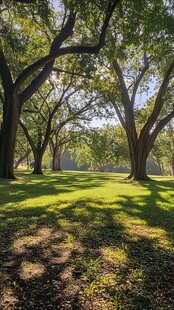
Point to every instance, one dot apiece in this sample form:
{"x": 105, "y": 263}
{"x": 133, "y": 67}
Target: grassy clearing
{"x": 76, "y": 240}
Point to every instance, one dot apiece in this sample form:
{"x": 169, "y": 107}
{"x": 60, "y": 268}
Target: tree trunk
{"x": 172, "y": 164}
{"x": 37, "y": 162}
{"x": 21, "y": 159}
{"x": 8, "y": 138}
{"x": 102, "y": 168}
{"x": 138, "y": 157}
{"x": 56, "y": 160}
{"x": 162, "y": 169}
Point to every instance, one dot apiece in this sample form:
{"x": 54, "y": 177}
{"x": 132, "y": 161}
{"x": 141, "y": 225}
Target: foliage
{"x": 128, "y": 65}
{"x": 98, "y": 148}
{"x": 163, "y": 151}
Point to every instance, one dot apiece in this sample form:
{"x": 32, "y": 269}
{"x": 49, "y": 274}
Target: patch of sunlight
{"x": 61, "y": 254}
{"x": 129, "y": 221}
{"x": 58, "y": 205}
{"x": 113, "y": 255}
{"x": 138, "y": 228}
{"x": 157, "y": 234}
{"x": 70, "y": 241}
{"x": 51, "y": 201}
{"x": 137, "y": 274}
{"x": 66, "y": 274}
{"x": 79, "y": 211}
{"x": 65, "y": 223}
{"x": 100, "y": 283}
{"x": 136, "y": 211}
{"x": 21, "y": 244}
{"x": 8, "y": 297}
{"x": 108, "y": 279}
{"x": 40, "y": 201}
{"x": 30, "y": 270}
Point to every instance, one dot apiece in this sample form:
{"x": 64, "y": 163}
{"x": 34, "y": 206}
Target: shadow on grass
{"x": 31, "y": 186}
{"x": 84, "y": 256}
{"x": 150, "y": 208}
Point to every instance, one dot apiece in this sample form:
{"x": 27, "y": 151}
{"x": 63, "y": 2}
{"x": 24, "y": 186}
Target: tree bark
{"x": 138, "y": 159}
{"x": 37, "y": 162}
{"x": 8, "y": 138}
{"x": 57, "y": 160}
{"x": 161, "y": 166}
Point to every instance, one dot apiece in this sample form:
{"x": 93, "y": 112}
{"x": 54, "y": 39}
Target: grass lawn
{"x": 80, "y": 240}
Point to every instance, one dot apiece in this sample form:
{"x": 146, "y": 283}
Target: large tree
{"x": 36, "y": 119}
{"x": 141, "y": 143}
{"x": 139, "y": 52}
{"x": 19, "y": 87}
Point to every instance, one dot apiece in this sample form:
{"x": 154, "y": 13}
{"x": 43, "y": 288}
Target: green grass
{"x": 81, "y": 240}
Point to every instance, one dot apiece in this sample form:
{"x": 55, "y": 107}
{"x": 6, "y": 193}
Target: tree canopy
{"x": 135, "y": 41}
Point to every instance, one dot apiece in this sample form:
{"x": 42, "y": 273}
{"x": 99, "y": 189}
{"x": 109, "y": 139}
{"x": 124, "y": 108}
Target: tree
{"x": 18, "y": 90}
{"x": 68, "y": 123}
{"x": 97, "y": 149}
{"x": 37, "y": 126}
{"x": 58, "y": 145}
{"x": 132, "y": 59}
{"x": 141, "y": 145}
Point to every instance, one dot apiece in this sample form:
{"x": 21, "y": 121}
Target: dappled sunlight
{"x": 67, "y": 274}
{"x": 8, "y": 299}
{"x": 21, "y": 244}
{"x": 88, "y": 248}
{"x": 59, "y": 255}
{"x": 158, "y": 234}
{"x": 114, "y": 255}
{"x": 29, "y": 270}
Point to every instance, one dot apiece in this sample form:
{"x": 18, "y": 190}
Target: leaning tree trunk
{"x": 161, "y": 166}
{"x": 21, "y": 159}
{"x": 8, "y": 138}
{"x": 37, "y": 162}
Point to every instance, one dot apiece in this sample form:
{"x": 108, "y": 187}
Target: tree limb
{"x": 27, "y": 134}
{"x": 57, "y": 52}
{"x": 5, "y": 75}
{"x": 158, "y": 103}
{"x": 64, "y": 34}
{"x": 139, "y": 78}
{"x": 159, "y": 127}
{"x": 121, "y": 119}
{"x": 125, "y": 94}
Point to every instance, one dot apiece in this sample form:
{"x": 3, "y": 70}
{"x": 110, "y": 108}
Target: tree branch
{"x": 64, "y": 34}
{"x": 57, "y": 52}
{"x": 158, "y": 103}
{"x": 121, "y": 119}
{"x": 5, "y": 75}
{"x": 74, "y": 116}
{"x": 72, "y": 73}
{"x": 159, "y": 127}
{"x": 27, "y": 135}
{"x": 125, "y": 94}
{"x": 139, "y": 78}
